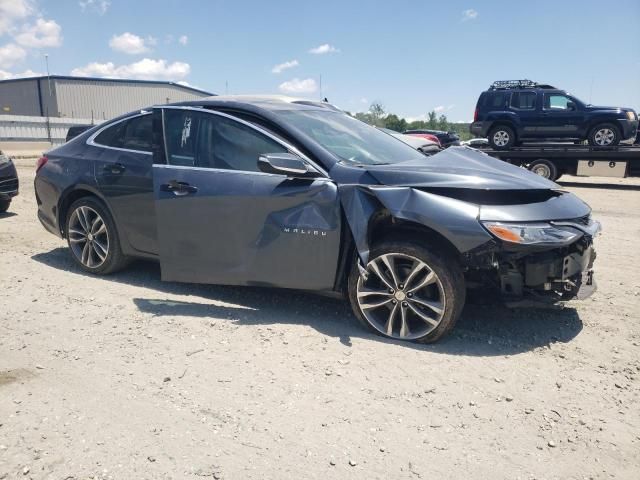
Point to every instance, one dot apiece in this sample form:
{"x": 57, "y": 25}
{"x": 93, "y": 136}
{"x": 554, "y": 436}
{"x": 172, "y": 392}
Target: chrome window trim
{"x": 229, "y": 171}
{"x": 257, "y": 128}
{"x": 91, "y": 139}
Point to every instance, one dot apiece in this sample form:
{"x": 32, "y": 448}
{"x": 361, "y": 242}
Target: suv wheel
{"x": 502, "y": 137}
{"x": 604, "y": 135}
{"x": 92, "y": 237}
{"x": 4, "y": 205}
{"x": 410, "y": 293}
{"x": 544, "y": 168}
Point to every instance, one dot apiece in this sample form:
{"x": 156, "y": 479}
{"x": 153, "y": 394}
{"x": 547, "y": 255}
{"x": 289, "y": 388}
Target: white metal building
{"x": 87, "y": 98}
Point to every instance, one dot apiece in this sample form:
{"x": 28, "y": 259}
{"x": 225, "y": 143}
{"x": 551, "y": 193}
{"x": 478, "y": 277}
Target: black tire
{"x": 600, "y": 134}
{"x": 114, "y": 259}
{"x": 451, "y": 285}
{"x": 4, "y": 205}
{"x": 545, "y": 169}
{"x": 504, "y": 136}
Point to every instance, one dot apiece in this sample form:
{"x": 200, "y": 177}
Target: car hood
{"x": 593, "y": 108}
{"x": 459, "y": 167}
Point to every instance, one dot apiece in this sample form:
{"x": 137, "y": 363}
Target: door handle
{"x": 115, "y": 168}
{"x": 179, "y": 189}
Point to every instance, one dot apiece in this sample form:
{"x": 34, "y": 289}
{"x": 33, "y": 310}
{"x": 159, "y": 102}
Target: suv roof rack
{"x": 508, "y": 84}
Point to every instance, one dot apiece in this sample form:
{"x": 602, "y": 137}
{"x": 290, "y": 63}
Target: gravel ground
{"x": 126, "y": 377}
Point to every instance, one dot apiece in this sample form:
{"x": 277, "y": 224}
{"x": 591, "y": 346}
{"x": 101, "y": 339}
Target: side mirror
{"x": 571, "y": 106}
{"x": 286, "y": 164}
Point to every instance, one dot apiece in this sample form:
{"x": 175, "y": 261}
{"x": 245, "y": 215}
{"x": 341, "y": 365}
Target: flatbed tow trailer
{"x": 553, "y": 160}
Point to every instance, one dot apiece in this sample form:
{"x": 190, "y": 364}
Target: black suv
{"x": 515, "y": 110}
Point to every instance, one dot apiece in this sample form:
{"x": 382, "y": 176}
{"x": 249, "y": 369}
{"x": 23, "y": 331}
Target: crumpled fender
{"x": 455, "y": 220}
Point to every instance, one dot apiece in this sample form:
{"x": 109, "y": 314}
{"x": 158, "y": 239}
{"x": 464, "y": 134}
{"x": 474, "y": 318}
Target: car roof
{"x": 264, "y": 102}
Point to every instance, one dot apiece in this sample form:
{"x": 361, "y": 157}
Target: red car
{"x": 428, "y": 136}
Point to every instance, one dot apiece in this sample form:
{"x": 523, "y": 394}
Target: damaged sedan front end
{"x": 510, "y": 234}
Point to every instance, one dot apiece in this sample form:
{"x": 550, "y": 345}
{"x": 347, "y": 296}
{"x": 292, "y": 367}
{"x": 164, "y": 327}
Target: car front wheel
{"x": 92, "y": 237}
{"x": 604, "y": 135}
{"x": 408, "y": 292}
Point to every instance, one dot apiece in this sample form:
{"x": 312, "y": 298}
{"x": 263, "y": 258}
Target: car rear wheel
{"x": 544, "y": 168}
{"x": 92, "y": 237}
{"x": 604, "y": 135}
{"x": 409, "y": 293}
{"x": 4, "y": 205}
{"x": 502, "y": 137}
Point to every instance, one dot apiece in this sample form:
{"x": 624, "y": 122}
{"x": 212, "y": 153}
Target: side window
{"x": 179, "y": 136}
{"x": 211, "y": 141}
{"x": 556, "y": 102}
{"x": 111, "y": 136}
{"x": 523, "y": 100}
{"x": 498, "y": 100}
{"x": 137, "y": 133}
{"x": 133, "y": 134}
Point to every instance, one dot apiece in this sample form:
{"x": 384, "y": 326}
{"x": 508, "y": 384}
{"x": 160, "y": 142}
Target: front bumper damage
{"x": 547, "y": 272}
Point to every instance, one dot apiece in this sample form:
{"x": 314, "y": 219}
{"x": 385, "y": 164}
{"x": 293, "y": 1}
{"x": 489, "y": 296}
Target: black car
{"x": 515, "y": 110}
{"x": 76, "y": 130}
{"x": 296, "y": 194}
{"x": 446, "y": 139}
{"x": 8, "y": 182}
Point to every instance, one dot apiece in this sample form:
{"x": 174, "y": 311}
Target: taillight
{"x": 475, "y": 115}
{"x": 41, "y": 162}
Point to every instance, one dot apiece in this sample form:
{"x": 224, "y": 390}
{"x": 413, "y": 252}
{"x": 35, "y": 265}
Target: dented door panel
{"x": 245, "y": 228}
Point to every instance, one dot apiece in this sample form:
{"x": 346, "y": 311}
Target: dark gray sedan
{"x": 295, "y": 194}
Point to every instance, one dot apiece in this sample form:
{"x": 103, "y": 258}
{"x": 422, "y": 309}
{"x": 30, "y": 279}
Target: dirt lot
{"x": 126, "y": 377}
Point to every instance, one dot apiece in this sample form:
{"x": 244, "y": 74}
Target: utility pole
{"x": 226, "y": 87}
{"x": 46, "y": 61}
{"x": 321, "y": 97}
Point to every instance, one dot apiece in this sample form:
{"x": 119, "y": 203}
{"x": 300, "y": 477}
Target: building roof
{"x": 110, "y": 80}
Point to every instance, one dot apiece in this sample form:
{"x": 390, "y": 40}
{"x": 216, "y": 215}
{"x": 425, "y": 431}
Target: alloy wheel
{"x": 401, "y": 297}
{"x": 501, "y": 138}
{"x": 604, "y": 136}
{"x": 88, "y": 237}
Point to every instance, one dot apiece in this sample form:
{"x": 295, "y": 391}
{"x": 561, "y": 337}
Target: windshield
{"x": 349, "y": 139}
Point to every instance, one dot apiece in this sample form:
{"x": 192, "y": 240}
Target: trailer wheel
{"x": 544, "y": 168}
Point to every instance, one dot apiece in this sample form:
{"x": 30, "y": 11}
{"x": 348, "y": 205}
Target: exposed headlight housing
{"x": 532, "y": 233}
{"x": 631, "y": 115}
{"x": 4, "y": 159}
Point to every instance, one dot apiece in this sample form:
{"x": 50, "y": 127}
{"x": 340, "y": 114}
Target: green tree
{"x": 377, "y": 112}
{"x": 443, "y": 123}
{"x": 393, "y": 122}
{"x": 432, "y": 122}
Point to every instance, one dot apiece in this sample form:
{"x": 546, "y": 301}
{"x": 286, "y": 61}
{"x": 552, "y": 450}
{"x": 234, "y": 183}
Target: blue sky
{"x": 412, "y": 56}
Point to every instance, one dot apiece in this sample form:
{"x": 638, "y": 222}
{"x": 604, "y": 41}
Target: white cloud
{"x": 183, "y": 40}
{"x": 43, "y": 33}
{"x": 145, "y": 69}
{"x": 439, "y": 108}
{"x": 131, "y": 44}
{"x": 98, "y": 6}
{"x": 324, "y": 48}
{"x": 281, "y": 67}
{"x": 297, "y": 86}
{"x": 469, "y": 14}
{"x": 13, "y": 11}
{"x": 4, "y": 75}
{"x": 11, "y": 54}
